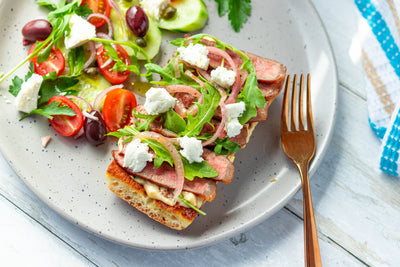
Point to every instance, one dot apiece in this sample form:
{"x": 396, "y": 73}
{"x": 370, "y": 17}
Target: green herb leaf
{"x": 205, "y": 113}
{"x": 239, "y": 11}
{"x": 223, "y": 7}
{"x": 15, "y": 87}
{"x": 54, "y": 108}
{"x": 76, "y": 60}
{"x": 198, "y": 169}
{"x": 53, "y": 85}
{"x": 191, "y": 206}
{"x": 225, "y": 146}
{"x": 174, "y": 122}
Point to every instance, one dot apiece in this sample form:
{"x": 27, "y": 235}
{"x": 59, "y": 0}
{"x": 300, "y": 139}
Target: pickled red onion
{"x": 221, "y": 126}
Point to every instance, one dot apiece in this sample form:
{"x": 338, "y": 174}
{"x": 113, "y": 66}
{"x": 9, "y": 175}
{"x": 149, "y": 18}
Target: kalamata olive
{"x": 141, "y": 42}
{"x": 137, "y": 21}
{"x": 169, "y": 12}
{"x": 95, "y": 130}
{"x": 36, "y": 30}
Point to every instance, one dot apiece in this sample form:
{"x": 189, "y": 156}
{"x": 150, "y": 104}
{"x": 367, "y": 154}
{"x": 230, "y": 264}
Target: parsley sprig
{"x": 239, "y": 11}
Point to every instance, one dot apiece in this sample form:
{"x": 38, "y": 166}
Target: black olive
{"x": 95, "y": 130}
{"x": 137, "y": 21}
{"x": 36, "y": 30}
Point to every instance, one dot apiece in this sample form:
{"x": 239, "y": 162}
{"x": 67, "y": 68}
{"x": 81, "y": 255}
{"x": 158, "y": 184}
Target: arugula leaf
{"x": 239, "y": 11}
{"x": 47, "y": 3}
{"x": 54, "y": 108}
{"x": 198, "y": 169}
{"x": 143, "y": 125}
{"x": 168, "y": 74}
{"x": 225, "y": 146}
{"x": 184, "y": 200}
{"x": 174, "y": 122}
{"x": 205, "y": 113}
{"x": 76, "y": 60}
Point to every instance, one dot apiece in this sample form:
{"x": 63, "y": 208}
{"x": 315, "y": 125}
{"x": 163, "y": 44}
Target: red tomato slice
{"x": 55, "y": 62}
{"x": 114, "y": 77}
{"x": 66, "y": 125}
{"x": 98, "y": 6}
{"x": 117, "y": 108}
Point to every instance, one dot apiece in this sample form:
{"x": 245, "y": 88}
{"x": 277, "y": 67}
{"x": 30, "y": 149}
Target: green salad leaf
{"x": 54, "y": 108}
{"x": 174, "y": 122}
{"x": 198, "y": 169}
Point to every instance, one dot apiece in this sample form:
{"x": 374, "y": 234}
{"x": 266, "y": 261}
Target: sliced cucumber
{"x": 123, "y": 33}
{"x": 191, "y": 15}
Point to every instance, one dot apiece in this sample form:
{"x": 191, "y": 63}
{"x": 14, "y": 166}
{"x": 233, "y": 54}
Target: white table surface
{"x": 357, "y": 208}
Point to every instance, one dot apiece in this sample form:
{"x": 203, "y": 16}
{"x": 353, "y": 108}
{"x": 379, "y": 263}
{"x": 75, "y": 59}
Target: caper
{"x": 169, "y": 12}
{"x": 141, "y": 42}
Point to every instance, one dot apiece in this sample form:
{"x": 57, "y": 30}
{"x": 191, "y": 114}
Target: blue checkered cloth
{"x": 380, "y": 39}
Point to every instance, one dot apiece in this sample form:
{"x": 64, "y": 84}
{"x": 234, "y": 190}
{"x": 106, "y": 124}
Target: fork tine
{"x": 293, "y": 111}
{"x": 300, "y": 112}
{"x": 310, "y": 123}
{"x": 284, "y": 116}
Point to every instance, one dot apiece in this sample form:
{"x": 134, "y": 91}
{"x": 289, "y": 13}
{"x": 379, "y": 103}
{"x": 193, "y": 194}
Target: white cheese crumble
{"x": 154, "y": 8}
{"x": 158, "y": 101}
{"x": 81, "y": 32}
{"x": 232, "y": 124}
{"x": 223, "y": 77}
{"x": 195, "y": 55}
{"x": 27, "y": 98}
{"x": 137, "y": 155}
{"x": 192, "y": 149}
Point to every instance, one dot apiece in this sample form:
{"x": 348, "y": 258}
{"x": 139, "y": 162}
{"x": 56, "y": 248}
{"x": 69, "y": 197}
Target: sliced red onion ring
{"x": 180, "y": 174}
{"x": 236, "y": 85}
{"x": 107, "y": 19}
{"x": 221, "y": 126}
{"x": 92, "y": 50}
{"x": 101, "y": 95}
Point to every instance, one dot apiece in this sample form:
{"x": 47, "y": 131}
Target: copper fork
{"x": 298, "y": 142}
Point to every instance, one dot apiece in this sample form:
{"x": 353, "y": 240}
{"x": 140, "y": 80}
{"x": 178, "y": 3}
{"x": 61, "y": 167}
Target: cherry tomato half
{"x": 55, "y": 62}
{"x": 63, "y": 124}
{"x": 98, "y": 6}
{"x": 114, "y": 77}
{"x": 117, "y": 108}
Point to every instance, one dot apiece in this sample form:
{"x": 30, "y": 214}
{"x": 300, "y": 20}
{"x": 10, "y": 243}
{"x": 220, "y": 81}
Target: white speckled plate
{"x": 69, "y": 175}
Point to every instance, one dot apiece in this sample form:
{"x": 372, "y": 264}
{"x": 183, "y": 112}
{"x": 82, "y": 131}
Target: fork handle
{"x": 311, "y": 246}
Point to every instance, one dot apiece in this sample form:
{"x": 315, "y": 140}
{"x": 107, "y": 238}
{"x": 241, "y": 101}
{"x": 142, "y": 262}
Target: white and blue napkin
{"x": 381, "y": 62}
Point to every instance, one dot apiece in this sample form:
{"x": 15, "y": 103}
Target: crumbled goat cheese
{"x": 158, "y": 101}
{"x": 232, "y": 124}
{"x": 81, "y": 32}
{"x": 192, "y": 149}
{"x": 195, "y": 55}
{"x": 223, "y": 77}
{"x": 27, "y": 98}
{"x": 154, "y": 8}
{"x": 137, "y": 155}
